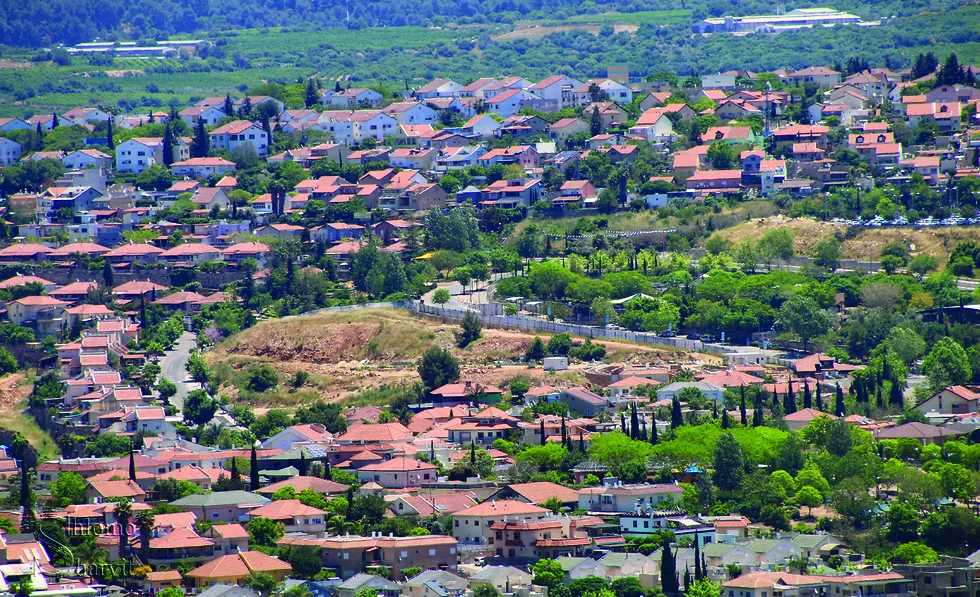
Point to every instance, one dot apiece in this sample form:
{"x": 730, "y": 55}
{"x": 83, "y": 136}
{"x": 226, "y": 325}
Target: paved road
{"x": 174, "y": 364}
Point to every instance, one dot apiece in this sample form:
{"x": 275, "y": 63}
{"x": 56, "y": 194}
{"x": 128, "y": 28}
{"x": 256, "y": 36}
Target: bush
{"x": 560, "y": 345}
{"x": 261, "y": 377}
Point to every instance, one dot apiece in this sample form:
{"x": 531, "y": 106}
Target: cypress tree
{"x": 714, "y": 409}
{"x": 132, "y": 462}
{"x": 302, "y": 463}
{"x": 687, "y": 578}
{"x": 110, "y": 142}
{"x": 312, "y": 98}
{"x": 758, "y": 418}
{"x": 254, "y": 472}
{"x": 581, "y": 442}
{"x": 653, "y": 431}
{"x": 634, "y": 421}
{"x": 168, "y": 146}
{"x": 839, "y": 406}
{"x": 202, "y": 144}
{"x": 818, "y": 398}
{"x": 676, "y": 418}
{"x": 725, "y": 424}
{"x": 643, "y": 431}
{"x": 807, "y": 398}
{"x": 39, "y": 132}
{"x": 622, "y": 422}
{"x": 544, "y": 438}
{"x": 54, "y": 120}
{"x": 229, "y": 108}
{"x": 698, "y": 573}
{"x": 741, "y": 409}
{"x": 564, "y": 430}
{"x": 472, "y": 454}
{"x": 668, "y": 571}
{"x": 236, "y": 477}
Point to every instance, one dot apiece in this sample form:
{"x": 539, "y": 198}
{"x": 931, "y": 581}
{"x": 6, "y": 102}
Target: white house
{"x": 508, "y": 103}
{"x": 202, "y": 167}
{"x": 710, "y": 391}
{"x": 87, "y": 158}
{"x": 481, "y": 125}
{"x": 86, "y": 115}
{"x": 139, "y": 153}
{"x": 653, "y": 125}
{"x": 350, "y": 98}
{"x": 439, "y": 88}
{"x": 555, "y": 89}
{"x": 14, "y": 124}
{"x": 10, "y": 151}
{"x": 719, "y": 80}
{"x": 613, "y": 91}
{"x": 372, "y": 123}
{"x": 411, "y": 113}
{"x": 209, "y": 114}
{"x": 952, "y": 400}
{"x": 240, "y": 132}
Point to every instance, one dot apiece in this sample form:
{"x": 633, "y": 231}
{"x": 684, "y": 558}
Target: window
{"x": 404, "y": 554}
{"x": 432, "y": 552}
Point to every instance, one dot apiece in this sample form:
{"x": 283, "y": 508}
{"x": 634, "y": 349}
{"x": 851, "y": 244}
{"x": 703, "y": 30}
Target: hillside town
{"x": 584, "y": 382}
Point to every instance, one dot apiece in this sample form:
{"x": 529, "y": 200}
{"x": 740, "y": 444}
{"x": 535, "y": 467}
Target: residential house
{"x": 398, "y": 473}
{"x": 349, "y": 554}
{"x": 615, "y": 497}
{"x": 583, "y": 401}
{"x": 438, "y": 88}
{"x": 653, "y": 126}
{"x": 556, "y": 90}
{"x": 210, "y": 115}
{"x": 509, "y": 102}
{"x": 566, "y": 128}
{"x": 235, "y": 134}
{"x": 295, "y": 516}
{"x": 234, "y": 568}
{"x": 10, "y": 151}
{"x": 222, "y": 506}
{"x": 139, "y": 153}
{"x": 673, "y": 390}
{"x": 411, "y": 113}
{"x": 952, "y": 400}
{"x": 202, "y": 167}
{"x": 600, "y": 90}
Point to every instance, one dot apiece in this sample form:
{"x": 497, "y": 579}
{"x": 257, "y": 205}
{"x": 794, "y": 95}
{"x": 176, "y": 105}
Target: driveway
{"x": 173, "y": 365}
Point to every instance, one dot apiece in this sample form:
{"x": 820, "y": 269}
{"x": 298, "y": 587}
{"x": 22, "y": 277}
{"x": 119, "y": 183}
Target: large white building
{"x": 139, "y": 153}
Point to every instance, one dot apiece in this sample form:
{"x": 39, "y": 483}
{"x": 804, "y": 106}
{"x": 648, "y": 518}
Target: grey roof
{"x": 568, "y": 563}
{"x": 437, "y": 576}
{"x": 220, "y": 498}
{"x": 811, "y": 541}
{"x": 225, "y": 590}
{"x": 491, "y": 573}
{"x": 617, "y": 559}
{"x": 677, "y": 386}
{"x": 361, "y": 580}
{"x": 716, "y": 550}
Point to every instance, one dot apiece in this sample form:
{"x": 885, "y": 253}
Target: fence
{"x": 553, "y": 327}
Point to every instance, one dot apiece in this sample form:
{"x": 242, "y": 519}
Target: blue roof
{"x": 693, "y": 469}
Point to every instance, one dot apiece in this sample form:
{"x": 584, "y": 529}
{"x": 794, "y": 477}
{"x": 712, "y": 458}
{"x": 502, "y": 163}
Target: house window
{"x": 432, "y": 552}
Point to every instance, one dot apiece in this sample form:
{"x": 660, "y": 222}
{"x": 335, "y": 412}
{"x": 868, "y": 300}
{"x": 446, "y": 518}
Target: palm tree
{"x": 338, "y": 525}
{"x": 145, "y": 521}
{"x": 124, "y": 513}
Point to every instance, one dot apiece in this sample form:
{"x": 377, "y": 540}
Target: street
{"x": 173, "y": 365}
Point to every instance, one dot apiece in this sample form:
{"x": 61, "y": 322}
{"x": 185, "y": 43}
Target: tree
{"x": 947, "y": 364}
{"x": 199, "y": 408}
{"x": 852, "y": 500}
{"x": 914, "y": 553}
{"x": 254, "y": 481}
{"x": 201, "y": 145}
{"x": 721, "y": 155}
{"x": 262, "y": 582}
{"x": 68, "y": 489}
{"x": 440, "y": 296}
{"x": 669, "y": 581}
{"x": 804, "y": 317}
{"x": 809, "y": 497}
{"x": 437, "y": 368}
{"x": 827, "y": 254}
{"x": 627, "y": 586}
{"x": 535, "y": 352}
{"x": 559, "y": 345}
{"x": 775, "y": 244}
{"x": 124, "y": 513}
{"x": 145, "y": 522}
{"x": 265, "y": 532}
{"x": 676, "y": 418}
{"x": 471, "y": 328}
{"x": 903, "y": 522}
{"x": 704, "y": 588}
{"x": 728, "y": 463}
